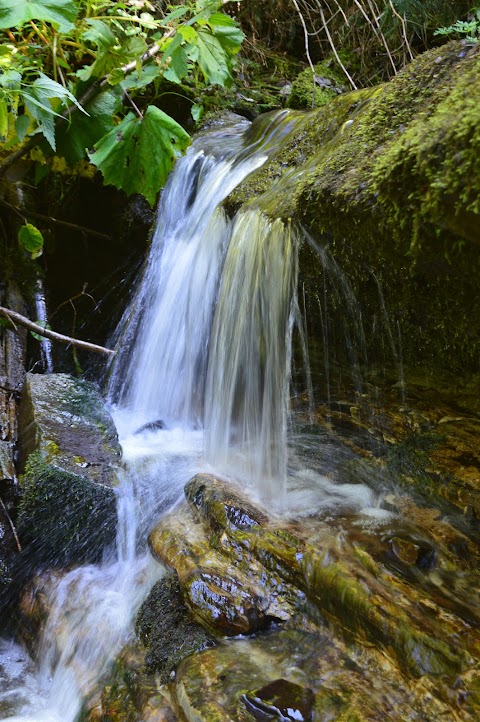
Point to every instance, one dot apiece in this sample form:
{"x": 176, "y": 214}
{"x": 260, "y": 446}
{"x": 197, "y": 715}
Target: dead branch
{"x": 53, "y": 335}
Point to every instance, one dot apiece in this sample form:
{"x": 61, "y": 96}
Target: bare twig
{"x": 53, "y": 335}
{"x": 334, "y": 49}
{"x": 23, "y": 212}
{"x": 307, "y": 49}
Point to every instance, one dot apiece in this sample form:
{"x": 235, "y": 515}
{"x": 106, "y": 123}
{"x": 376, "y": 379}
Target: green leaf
{"x": 135, "y": 81}
{"x": 188, "y": 33}
{"x": 61, "y": 13}
{"x": 139, "y": 153}
{"x": 81, "y": 134}
{"x": 38, "y": 99}
{"x": 31, "y": 239}
{"x": 197, "y": 111}
{"x": 112, "y": 54}
{"x": 3, "y": 119}
{"x": 227, "y": 31}
{"x": 10, "y": 79}
{"x": 212, "y": 58}
{"x": 174, "y": 15}
{"x": 22, "y": 125}
{"x": 178, "y": 67}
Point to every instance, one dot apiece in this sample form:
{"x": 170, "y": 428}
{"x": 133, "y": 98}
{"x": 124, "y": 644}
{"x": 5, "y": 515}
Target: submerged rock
{"x": 281, "y": 700}
{"x": 69, "y": 450}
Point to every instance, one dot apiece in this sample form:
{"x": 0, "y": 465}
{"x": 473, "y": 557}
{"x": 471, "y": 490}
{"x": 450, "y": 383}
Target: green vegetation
{"x": 468, "y": 29}
{"x": 82, "y": 80}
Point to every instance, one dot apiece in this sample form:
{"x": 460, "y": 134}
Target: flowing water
{"x": 200, "y": 382}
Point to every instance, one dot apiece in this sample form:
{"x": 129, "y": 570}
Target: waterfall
{"x": 248, "y": 372}
{"x": 205, "y": 343}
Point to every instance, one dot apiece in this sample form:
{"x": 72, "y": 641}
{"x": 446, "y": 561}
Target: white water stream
{"x": 200, "y": 382}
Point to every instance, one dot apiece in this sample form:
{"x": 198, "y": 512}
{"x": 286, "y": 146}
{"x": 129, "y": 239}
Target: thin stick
{"x": 25, "y": 213}
{"x": 53, "y": 335}
{"x": 14, "y": 531}
{"x": 334, "y": 49}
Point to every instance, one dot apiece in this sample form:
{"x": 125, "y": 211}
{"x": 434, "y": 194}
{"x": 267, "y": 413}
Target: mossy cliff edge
{"x": 389, "y": 179}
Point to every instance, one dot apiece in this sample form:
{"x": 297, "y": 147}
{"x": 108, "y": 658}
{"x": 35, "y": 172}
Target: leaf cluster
{"x": 74, "y": 74}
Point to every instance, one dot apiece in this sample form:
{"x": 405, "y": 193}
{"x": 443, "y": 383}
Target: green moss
{"x": 167, "y": 629}
{"x": 388, "y": 178}
{"x": 64, "y": 518}
{"x": 326, "y": 83}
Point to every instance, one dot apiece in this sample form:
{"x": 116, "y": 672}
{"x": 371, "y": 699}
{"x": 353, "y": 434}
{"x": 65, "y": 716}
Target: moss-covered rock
{"x": 167, "y": 629}
{"x": 69, "y": 450}
{"x": 388, "y": 179}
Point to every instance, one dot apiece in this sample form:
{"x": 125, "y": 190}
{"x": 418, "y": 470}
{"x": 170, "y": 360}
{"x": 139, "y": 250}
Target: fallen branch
{"x": 53, "y": 335}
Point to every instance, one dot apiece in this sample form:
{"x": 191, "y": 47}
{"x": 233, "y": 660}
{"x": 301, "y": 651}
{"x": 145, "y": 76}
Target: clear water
{"x": 200, "y": 382}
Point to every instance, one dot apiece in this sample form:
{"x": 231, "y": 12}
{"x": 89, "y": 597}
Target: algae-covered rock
{"x": 69, "y": 450}
{"x": 293, "y": 672}
{"x": 343, "y": 573}
{"x": 387, "y": 177}
{"x": 316, "y": 89}
{"x": 229, "y": 594}
{"x": 130, "y": 694}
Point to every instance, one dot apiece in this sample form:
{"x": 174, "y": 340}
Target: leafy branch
{"x": 71, "y": 71}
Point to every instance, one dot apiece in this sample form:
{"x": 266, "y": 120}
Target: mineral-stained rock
{"x": 319, "y": 675}
{"x": 68, "y": 449}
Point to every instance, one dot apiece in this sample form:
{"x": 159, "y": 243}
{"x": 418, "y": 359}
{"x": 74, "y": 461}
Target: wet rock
{"x": 9, "y": 553}
{"x": 229, "y": 594}
{"x": 131, "y": 694}
{"x": 166, "y": 628}
{"x": 280, "y": 700}
{"x": 151, "y": 426}
{"x": 312, "y": 671}
{"x": 68, "y": 453}
{"x": 341, "y": 574}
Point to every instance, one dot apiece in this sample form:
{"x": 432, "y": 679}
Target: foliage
{"x": 31, "y": 239}
{"x": 469, "y": 29}
{"x": 378, "y": 38}
{"x": 79, "y": 75}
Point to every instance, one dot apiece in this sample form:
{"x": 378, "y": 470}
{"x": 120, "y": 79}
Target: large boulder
{"x": 69, "y": 452}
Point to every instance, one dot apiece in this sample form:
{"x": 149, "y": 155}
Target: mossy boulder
{"x": 387, "y": 177}
{"x": 69, "y": 451}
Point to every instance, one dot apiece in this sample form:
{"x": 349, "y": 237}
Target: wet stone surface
{"x": 68, "y": 454}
